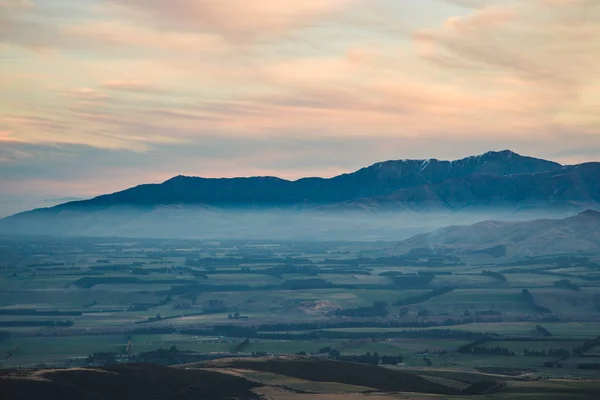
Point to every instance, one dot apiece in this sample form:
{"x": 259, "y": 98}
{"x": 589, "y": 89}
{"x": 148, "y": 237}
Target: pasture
{"x": 62, "y": 300}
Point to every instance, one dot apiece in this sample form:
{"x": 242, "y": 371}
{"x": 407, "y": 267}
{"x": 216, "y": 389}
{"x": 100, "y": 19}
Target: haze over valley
{"x": 299, "y": 200}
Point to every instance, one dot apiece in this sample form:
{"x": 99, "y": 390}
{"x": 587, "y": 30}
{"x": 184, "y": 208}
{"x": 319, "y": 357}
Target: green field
{"x": 283, "y": 298}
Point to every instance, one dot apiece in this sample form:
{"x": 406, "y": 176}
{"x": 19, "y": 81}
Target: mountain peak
{"x": 506, "y": 154}
{"x": 500, "y": 155}
{"x": 504, "y": 163}
{"x": 176, "y": 178}
{"x": 591, "y": 214}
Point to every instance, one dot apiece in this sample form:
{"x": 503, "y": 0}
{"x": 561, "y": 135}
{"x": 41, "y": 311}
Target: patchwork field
{"x": 82, "y": 302}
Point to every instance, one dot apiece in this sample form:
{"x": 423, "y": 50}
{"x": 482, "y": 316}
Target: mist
{"x": 200, "y": 222}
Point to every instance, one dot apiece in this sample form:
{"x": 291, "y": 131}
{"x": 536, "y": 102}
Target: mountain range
{"x": 383, "y": 179}
{"x": 492, "y": 181}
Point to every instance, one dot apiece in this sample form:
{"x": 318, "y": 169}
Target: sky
{"x": 100, "y": 95}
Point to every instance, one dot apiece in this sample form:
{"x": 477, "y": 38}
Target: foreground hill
{"x": 495, "y": 183}
{"x": 287, "y": 378}
{"x": 530, "y": 238}
{"x": 126, "y": 382}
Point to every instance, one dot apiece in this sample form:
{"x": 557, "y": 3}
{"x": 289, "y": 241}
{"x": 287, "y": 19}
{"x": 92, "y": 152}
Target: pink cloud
{"x": 531, "y": 40}
{"x": 24, "y": 24}
{"x": 548, "y": 50}
{"x": 487, "y": 76}
{"x": 131, "y": 86}
{"x": 114, "y": 33}
{"x": 86, "y": 94}
{"x": 35, "y": 122}
{"x": 16, "y": 4}
{"x": 484, "y": 18}
{"x": 238, "y": 19}
{"x": 6, "y": 136}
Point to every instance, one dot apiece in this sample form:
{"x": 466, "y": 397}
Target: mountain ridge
{"x": 497, "y": 182}
{"x": 379, "y": 179}
{"x": 566, "y": 185}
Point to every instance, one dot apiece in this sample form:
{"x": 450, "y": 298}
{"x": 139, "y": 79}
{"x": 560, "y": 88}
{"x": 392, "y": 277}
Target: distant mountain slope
{"x": 564, "y": 186}
{"x": 537, "y": 237}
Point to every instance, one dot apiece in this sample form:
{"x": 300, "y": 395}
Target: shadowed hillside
{"x": 277, "y": 379}
{"x": 375, "y": 377}
{"x": 537, "y": 237}
{"x": 126, "y": 382}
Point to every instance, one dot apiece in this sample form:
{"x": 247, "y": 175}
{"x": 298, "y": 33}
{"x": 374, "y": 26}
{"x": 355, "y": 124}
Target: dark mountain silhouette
{"x": 381, "y": 179}
{"x": 528, "y": 238}
{"x": 570, "y": 185}
{"x": 185, "y": 205}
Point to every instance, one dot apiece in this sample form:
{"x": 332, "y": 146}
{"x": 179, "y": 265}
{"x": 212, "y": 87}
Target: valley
{"x": 69, "y": 302}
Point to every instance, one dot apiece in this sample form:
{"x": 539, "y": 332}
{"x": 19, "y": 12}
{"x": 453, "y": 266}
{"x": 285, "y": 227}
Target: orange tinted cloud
{"x": 16, "y": 4}
{"x": 237, "y": 19}
{"x": 127, "y": 34}
{"x": 530, "y": 39}
{"x": 149, "y": 76}
{"x": 6, "y": 137}
{"x": 131, "y": 86}
{"x": 86, "y": 94}
{"x": 548, "y": 49}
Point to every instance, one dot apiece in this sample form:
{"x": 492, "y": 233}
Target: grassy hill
{"x": 283, "y": 378}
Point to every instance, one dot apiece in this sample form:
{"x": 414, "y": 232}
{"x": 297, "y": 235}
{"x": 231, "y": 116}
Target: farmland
{"x": 63, "y": 301}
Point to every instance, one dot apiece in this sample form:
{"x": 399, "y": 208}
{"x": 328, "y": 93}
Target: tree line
{"x": 530, "y": 301}
{"x": 423, "y": 297}
{"x": 378, "y": 309}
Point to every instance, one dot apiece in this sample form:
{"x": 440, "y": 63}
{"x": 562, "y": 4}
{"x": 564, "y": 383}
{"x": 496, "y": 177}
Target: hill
{"x": 216, "y": 380}
{"x": 530, "y": 238}
{"x": 126, "y": 382}
{"x": 324, "y": 370}
{"x": 284, "y": 378}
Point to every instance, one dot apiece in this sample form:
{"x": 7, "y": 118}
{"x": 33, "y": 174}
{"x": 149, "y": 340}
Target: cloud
{"x": 549, "y": 48}
{"x": 77, "y": 170}
{"x": 36, "y": 28}
{"x": 236, "y": 20}
{"x": 47, "y": 124}
{"x": 305, "y": 97}
{"x": 132, "y": 86}
{"x": 547, "y": 40}
{"x": 16, "y": 4}
{"x": 223, "y": 88}
{"x": 6, "y": 137}
{"x": 113, "y": 35}
{"x": 16, "y": 28}
{"x": 86, "y": 94}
